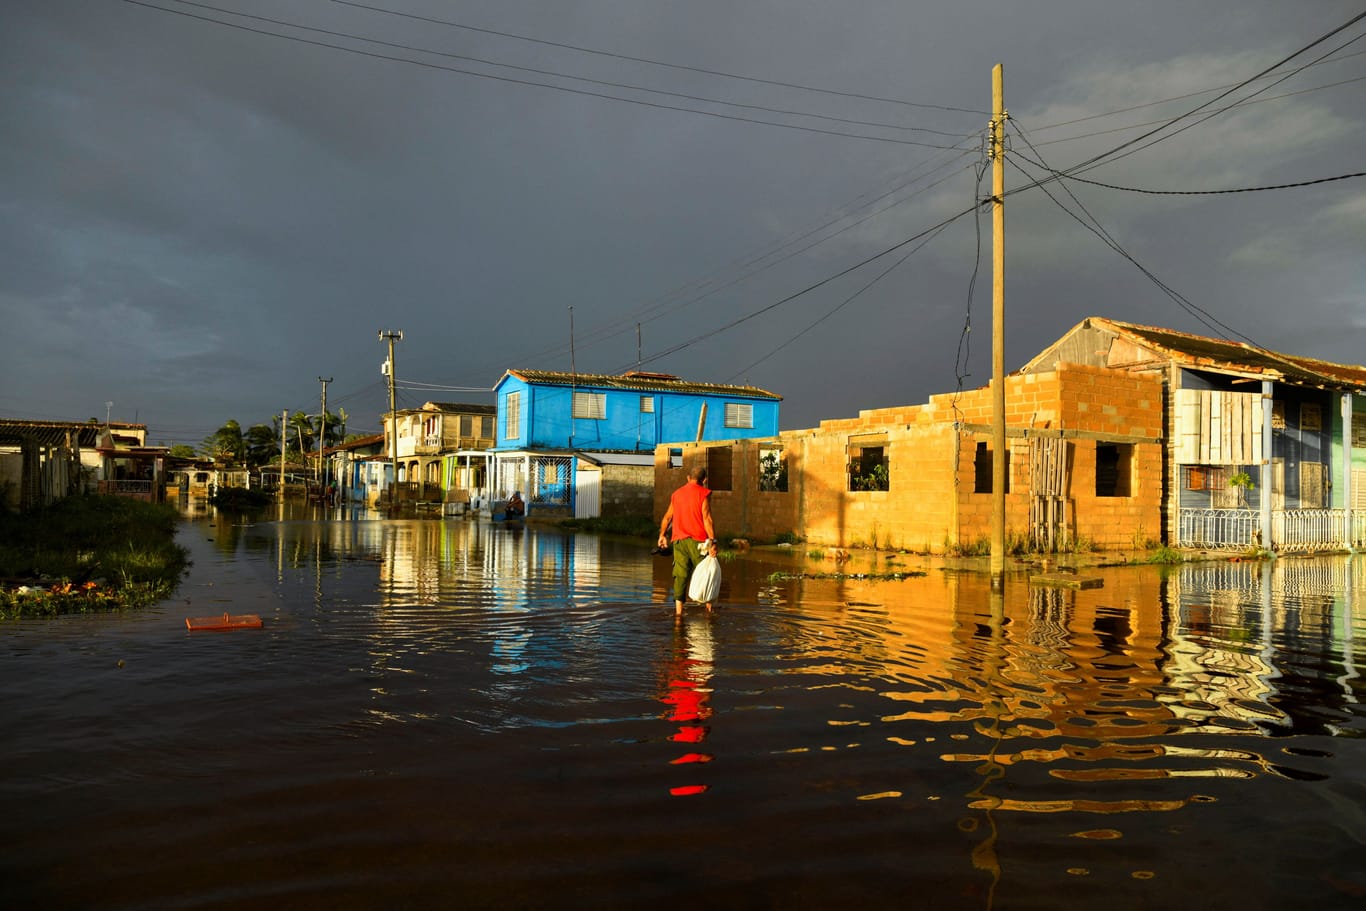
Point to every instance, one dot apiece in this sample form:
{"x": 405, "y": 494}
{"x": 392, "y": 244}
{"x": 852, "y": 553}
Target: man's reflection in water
{"x": 686, "y": 675}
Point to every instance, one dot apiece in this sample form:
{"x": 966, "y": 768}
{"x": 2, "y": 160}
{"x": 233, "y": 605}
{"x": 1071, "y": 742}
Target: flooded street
{"x": 462, "y": 714}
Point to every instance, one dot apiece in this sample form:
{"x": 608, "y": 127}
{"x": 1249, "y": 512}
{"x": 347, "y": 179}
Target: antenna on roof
{"x": 637, "y": 346}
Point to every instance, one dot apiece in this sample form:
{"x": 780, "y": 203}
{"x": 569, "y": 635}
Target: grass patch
{"x": 865, "y": 577}
{"x": 1166, "y": 555}
{"x": 88, "y": 553}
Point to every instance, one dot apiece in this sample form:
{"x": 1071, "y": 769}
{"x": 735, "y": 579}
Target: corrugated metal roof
{"x": 1240, "y": 357}
{"x": 53, "y": 433}
{"x": 639, "y": 382}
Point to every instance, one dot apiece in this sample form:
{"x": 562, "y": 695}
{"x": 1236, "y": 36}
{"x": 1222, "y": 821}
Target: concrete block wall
{"x": 930, "y": 504}
{"x": 627, "y": 490}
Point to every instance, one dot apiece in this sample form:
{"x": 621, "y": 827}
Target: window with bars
{"x": 647, "y": 404}
{"x": 590, "y": 405}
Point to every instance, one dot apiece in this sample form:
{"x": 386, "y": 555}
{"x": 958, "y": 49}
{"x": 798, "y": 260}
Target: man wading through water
{"x": 690, "y": 512}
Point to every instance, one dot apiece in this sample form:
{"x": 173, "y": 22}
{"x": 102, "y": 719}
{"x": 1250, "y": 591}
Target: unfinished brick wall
{"x": 931, "y": 504}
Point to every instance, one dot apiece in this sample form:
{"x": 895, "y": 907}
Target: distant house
{"x": 1118, "y": 435}
{"x": 429, "y": 446}
{"x": 41, "y": 461}
{"x": 359, "y": 468}
{"x": 582, "y": 444}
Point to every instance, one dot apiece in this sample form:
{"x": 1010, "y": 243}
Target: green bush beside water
{"x": 88, "y": 553}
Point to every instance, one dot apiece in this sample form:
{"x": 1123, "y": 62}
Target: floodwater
{"x": 462, "y": 714}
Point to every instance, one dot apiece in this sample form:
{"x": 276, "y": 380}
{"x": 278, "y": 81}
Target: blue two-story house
{"x": 563, "y": 439}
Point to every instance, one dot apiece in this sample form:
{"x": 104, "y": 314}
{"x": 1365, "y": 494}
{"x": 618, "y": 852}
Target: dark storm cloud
{"x": 200, "y": 220}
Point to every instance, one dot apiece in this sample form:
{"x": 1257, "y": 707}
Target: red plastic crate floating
{"x": 224, "y": 621}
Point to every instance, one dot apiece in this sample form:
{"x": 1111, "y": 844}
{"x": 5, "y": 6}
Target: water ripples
{"x": 429, "y": 690}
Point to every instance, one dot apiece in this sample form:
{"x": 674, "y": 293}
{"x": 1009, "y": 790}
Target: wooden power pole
{"x": 998, "y": 342}
{"x": 322, "y": 433}
{"x": 392, "y": 335}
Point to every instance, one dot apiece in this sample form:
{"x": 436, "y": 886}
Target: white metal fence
{"x": 1291, "y": 529}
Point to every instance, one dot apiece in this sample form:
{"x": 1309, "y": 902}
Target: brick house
{"x": 1085, "y": 450}
{"x": 1120, "y": 436}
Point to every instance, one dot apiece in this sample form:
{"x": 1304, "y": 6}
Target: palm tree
{"x": 225, "y": 444}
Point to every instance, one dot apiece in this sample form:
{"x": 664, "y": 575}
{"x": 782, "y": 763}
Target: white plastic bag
{"x": 706, "y": 580}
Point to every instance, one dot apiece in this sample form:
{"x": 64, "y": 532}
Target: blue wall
{"x": 545, "y": 418}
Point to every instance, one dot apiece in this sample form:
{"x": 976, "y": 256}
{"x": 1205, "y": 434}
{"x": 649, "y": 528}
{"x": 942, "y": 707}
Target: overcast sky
{"x": 203, "y": 211}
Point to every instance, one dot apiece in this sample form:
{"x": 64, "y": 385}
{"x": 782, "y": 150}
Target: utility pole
{"x": 392, "y": 335}
{"x": 998, "y": 341}
{"x": 322, "y": 434}
{"x": 284, "y": 440}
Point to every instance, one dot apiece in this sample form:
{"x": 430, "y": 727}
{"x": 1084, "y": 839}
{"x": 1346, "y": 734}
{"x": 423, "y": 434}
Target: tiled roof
{"x": 461, "y": 408}
{"x": 639, "y": 382}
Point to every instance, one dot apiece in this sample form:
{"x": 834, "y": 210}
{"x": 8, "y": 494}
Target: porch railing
{"x": 1292, "y": 530}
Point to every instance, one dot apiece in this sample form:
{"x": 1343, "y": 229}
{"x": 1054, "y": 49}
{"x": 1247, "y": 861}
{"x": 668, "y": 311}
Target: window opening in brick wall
{"x": 981, "y": 470}
{"x": 675, "y": 458}
{"x": 772, "y": 469}
{"x": 869, "y": 468}
{"x": 719, "y": 468}
{"x": 1114, "y": 468}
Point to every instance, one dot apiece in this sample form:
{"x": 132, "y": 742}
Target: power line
{"x": 703, "y": 289}
{"x": 848, "y": 300}
{"x": 809, "y": 288}
{"x": 1161, "y": 101}
{"x": 560, "y": 75}
{"x": 1199, "y": 313}
{"x": 515, "y": 81}
{"x": 1279, "y": 186}
{"x": 1243, "y": 103}
{"x": 1111, "y": 155}
{"x": 676, "y": 66}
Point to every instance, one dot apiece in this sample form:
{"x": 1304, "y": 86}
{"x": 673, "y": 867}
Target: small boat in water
{"x": 224, "y": 621}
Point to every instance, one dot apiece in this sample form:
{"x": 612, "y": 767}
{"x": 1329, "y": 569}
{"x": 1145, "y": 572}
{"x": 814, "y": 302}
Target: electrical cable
{"x": 1279, "y": 186}
{"x": 1199, "y": 313}
{"x": 703, "y": 289}
{"x": 1111, "y": 158}
{"x": 1248, "y": 101}
{"x": 848, "y": 300}
{"x": 559, "y": 75}
{"x": 526, "y": 82}
{"x": 1112, "y": 155}
{"x": 1151, "y": 104}
{"x": 809, "y": 288}
{"x": 676, "y": 66}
